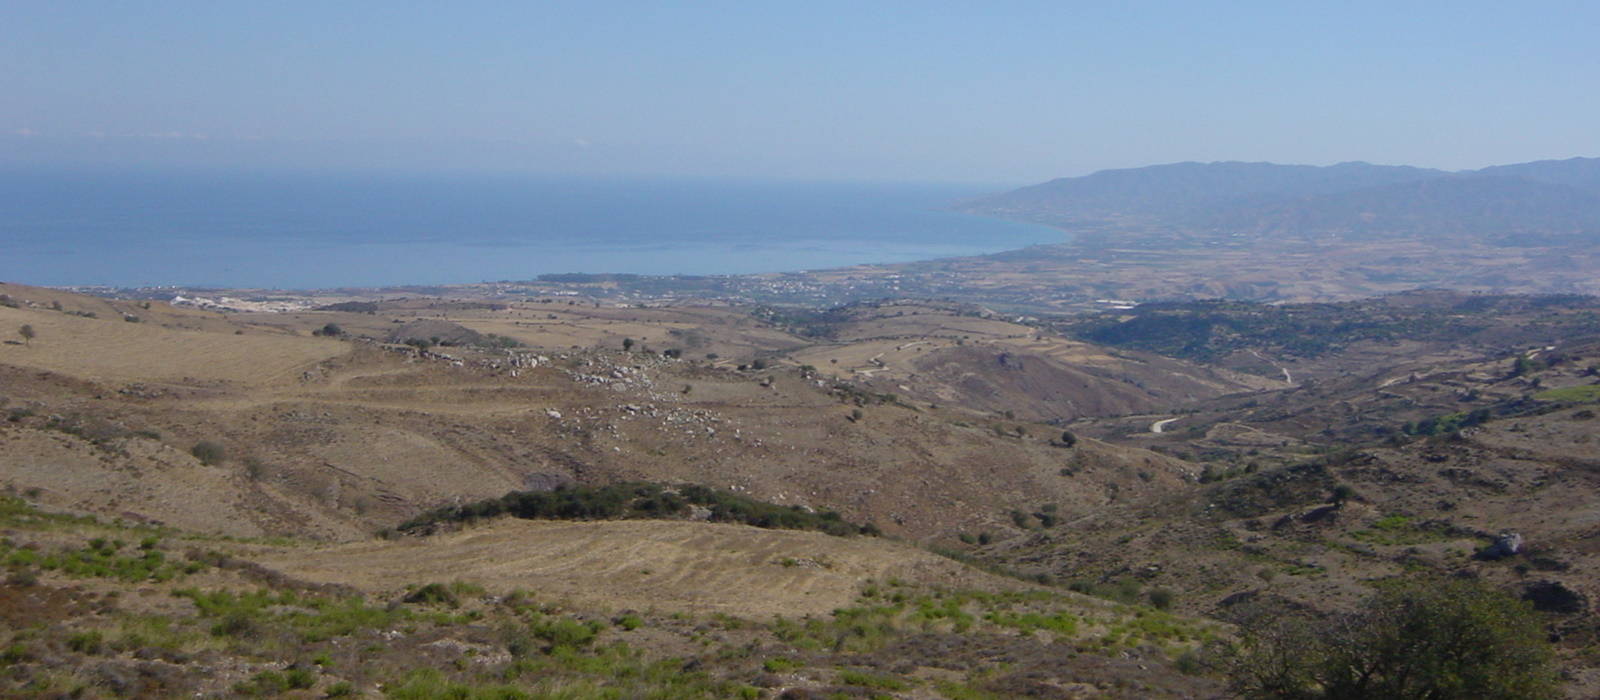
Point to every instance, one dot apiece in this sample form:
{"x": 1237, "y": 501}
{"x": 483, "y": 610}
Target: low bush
{"x": 209, "y": 453}
{"x": 640, "y": 500}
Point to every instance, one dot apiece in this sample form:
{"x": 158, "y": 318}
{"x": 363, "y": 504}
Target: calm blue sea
{"x": 136, "y": 229}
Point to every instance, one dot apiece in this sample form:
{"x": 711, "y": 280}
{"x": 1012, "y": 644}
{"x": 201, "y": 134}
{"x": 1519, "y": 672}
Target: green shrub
{"x": 13, "y": 654}
{"x": 434, "y": 594}
{"x": 299, "y": 678}
{"x": 641, "y": 500}
{"x": 867, "y": 680}
{"x": 1162, "y": 599}
{"x": 264, "y": 683}
{"x": 234, "y": 624}
{"x": 209, "y": 453}
{"x": 1391, "y": 522}
{"x": 430, "y": 684}
{"x": 1425, "y": 638}
{"x": 1020, "y": 519}
{"x": 86, "y": 641}
{"x": 565, "y": 631}
{"x": 779, "y": 664}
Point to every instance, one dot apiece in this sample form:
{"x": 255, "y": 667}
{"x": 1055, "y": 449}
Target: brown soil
{"x": 660, "y": 566}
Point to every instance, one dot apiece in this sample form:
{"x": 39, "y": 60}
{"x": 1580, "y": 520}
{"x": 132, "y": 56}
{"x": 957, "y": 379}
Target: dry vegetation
{"x": 992, "y": 440}
{"x": 336, "y": 438}
{"x": 669, "y": 567}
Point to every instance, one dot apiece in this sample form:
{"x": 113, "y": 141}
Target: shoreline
{"x": 242, "y": 231}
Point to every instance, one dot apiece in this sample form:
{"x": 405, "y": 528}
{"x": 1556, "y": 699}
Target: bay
{"x": 307, "y": 231}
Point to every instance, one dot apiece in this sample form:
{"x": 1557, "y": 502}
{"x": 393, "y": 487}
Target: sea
{"x": 289, "y": 231}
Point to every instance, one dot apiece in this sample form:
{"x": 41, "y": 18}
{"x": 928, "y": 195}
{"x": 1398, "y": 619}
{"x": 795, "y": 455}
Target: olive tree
{"x": 1428, "y": 639}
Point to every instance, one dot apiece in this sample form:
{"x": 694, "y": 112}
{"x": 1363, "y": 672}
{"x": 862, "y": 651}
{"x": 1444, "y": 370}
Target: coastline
{"x": 259, "y": 232}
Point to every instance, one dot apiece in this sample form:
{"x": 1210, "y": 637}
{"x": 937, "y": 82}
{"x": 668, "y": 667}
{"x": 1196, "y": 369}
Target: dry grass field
{"x": 113, "y": 350}
{"x": 658, "y": 566}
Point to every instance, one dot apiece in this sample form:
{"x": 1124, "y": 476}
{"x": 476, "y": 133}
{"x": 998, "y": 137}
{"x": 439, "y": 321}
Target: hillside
{"x": 1408, "y": 435}
{"x": 1180, "y": 460}
{"x": 1515, "y": 209}
{"x": 195, "y": 435}
{"x": 1181, "y": 189}
{"x": 337, "y": 438}
{"x": 664, "y": 566}
{"x": 1275, "y": 233}
{"x": 106, "y": 610}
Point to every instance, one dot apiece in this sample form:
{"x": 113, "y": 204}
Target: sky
{"x": 992, "y": 92}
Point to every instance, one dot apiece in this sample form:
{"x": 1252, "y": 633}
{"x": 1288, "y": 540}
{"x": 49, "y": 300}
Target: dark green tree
{"x": 1342, "y": 494}
{"x": 1427, "y": 639}
{"x": 1522, "y": 365}
{"x": 26, "y": 331}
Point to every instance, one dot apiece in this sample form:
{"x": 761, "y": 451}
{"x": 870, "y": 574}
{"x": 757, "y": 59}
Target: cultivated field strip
{"x": 643, "y": 565}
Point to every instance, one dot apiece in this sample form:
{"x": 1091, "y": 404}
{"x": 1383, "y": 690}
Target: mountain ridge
{"x": 1356, "y": 198}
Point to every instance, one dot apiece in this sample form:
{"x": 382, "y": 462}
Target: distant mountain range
{"x": 1540, "y": 201}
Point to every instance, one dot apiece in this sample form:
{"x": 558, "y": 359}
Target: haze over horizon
{"x": 1009, "y": 93}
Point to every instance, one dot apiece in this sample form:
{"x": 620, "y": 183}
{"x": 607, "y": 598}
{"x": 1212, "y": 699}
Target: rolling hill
{"x": 255, "y": 566}
{"x": 1124, "y": 481}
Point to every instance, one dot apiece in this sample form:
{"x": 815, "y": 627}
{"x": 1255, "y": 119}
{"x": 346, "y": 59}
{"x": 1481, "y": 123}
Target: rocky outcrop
{"x": 1507, "y": 544}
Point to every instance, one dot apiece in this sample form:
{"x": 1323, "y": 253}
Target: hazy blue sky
{"x": 1001, "y": 92}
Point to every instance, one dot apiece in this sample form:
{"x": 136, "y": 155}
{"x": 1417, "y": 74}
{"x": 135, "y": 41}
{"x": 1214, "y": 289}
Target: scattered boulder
{"x": 1507, "y": 544}
{"x": 546, "y": 481}
{"x": 1320, "y": 514}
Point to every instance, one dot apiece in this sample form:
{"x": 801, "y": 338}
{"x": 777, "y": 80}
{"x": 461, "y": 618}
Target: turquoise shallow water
{"x": 133, "y": 229}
